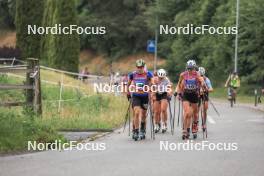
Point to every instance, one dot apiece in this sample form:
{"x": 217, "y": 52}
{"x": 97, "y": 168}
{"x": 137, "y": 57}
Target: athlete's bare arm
{"x": 170, "y": 87}
{"x": 179, "y": 84}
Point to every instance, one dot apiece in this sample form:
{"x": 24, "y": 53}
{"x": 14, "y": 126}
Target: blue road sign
{"x": 151, "y": 46}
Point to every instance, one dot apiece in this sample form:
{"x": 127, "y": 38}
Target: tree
{"x": 7, "y": 13}
{"x": 60, "y": 50}
{"x": 126, "y": 28}
{"x": 28, "y": 12}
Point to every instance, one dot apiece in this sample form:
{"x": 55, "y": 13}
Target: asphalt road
{"x": 123, "y": 156}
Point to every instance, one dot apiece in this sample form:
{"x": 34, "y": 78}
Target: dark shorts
{"x": 162, "y": 96}
{"x": 192, "y": 97}
{"x": 235, "y": 88}
{"x": 141, "y": 101}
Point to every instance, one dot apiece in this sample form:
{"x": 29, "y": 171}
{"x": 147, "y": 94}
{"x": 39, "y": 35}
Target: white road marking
{"x": 210, "y": 120}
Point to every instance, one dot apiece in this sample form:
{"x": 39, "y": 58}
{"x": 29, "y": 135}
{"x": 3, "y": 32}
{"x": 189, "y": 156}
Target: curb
{"x": 260, "y": 107}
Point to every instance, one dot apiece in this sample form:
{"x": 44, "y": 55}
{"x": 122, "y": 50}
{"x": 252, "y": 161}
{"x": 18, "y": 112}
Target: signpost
{"x": 151, "y": 48}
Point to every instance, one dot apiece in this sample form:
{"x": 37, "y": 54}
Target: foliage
{"x": 60, "y": 51}
{"x": 28, "y": 12}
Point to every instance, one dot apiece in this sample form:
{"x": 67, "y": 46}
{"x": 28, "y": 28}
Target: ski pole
{"x": 205, "y": 119}
{"x": 214, "y": 107}
{"x": 126, "y": 116}
{"x": 151, "y": 120}
{"x": 129, "y": 123}
{"x": 182, "y": 114}
{"x": 171, "y": 120}
{"x": 174, "y": 113}
{"x": 179, "y": 112}
{"x": 202, "y": 117}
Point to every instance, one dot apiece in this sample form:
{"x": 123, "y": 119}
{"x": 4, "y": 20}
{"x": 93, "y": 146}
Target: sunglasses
{"x": 140, "y": 67}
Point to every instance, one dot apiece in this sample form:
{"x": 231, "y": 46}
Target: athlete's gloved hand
{"x": 169, "y": 98}
{"x": 175, "y": 94}
{"x": 128, "y": 97}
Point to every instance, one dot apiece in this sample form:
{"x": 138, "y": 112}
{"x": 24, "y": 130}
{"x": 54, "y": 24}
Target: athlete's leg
{"x": 187, "y": 113}
{"x": 195, "y": 117}
{"x": 164, "y": 114}
{"x": 143, "y": 116}
{"x": 136, "y": 115}
{"x": 143, "y": 119}
{"x": 156, "y": 112}
{"x": 205, "y": 112}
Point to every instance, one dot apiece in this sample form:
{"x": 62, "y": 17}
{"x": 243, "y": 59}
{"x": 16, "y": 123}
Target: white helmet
{"x": 161, "y": 73}
{"x": 190, "y": 64}
{"x": 201, "y": 71}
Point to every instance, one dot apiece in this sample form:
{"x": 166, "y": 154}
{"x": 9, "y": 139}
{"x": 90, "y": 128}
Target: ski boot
{"x": 157, "y": 128}
{"x": 194, "y": 129}
{"x": 142, "y": 134}
{"x": 135, "y": 135}
{"x": 186, "y": 134}
{"x": 204, "y": 128}
{"x": 164, "y": 128}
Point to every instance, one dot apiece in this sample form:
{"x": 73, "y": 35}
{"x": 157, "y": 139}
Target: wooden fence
{"x": 31, "y": 86}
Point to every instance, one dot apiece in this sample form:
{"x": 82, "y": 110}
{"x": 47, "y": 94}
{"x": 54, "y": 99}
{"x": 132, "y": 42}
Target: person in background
{"x": 117, "y": 81}
{"x": 84, "y": 74}
{"x": 232, "y": 82}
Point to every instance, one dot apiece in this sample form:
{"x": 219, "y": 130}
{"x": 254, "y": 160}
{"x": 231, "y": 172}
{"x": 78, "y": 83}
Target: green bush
{"x": 17, "y": 129}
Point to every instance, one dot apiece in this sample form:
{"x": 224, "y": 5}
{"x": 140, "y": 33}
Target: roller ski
{"x": 186, "y": 135}
{"x": 135, "y": 135}
{"x": 142, "y": 134}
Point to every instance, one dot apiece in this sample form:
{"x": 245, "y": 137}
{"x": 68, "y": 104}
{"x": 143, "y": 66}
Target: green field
{"x": 245, "y": 95}
{"x": 81, "y": 110}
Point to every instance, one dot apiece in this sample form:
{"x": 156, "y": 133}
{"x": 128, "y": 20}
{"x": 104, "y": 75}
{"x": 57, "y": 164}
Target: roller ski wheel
{"x": 185, "y": 137}
{"x": 195, "y": 136}
{"x": 142, "y": 134}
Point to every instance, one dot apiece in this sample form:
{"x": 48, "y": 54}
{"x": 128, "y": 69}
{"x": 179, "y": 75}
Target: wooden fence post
{"x": 33, "y": 78}
{"x": 30, "y": 81}
{"x": 37, "y": 90}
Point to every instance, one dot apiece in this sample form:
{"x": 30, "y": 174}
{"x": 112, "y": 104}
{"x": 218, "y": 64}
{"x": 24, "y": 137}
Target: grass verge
{"x": 244, "y": 95}
{"x": 80, "y": 110}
